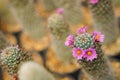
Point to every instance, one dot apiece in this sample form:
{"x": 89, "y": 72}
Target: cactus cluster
{"x": 12, "y": 57}
{"x": 59, "y": 31}
{"x": 89, "y": 54}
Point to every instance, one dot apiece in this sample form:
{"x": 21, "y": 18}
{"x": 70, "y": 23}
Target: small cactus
{"x": 59, "y": 31}
{"x": 94, "y": 63}
{"x": 12, "y": 57}
{"x": 33, "y": 71}
{"x": 72, "y": 10}
{"x": 104, "y": 19}
{"x": 31, "y": 22}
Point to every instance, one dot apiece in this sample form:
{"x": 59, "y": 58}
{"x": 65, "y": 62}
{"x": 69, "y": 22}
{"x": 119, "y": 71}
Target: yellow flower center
{"x": 89, "y": 53}
{"x": 79, "y": 52}
{"x": 97, "y": 37}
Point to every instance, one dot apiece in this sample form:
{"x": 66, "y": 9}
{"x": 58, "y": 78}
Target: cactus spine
{"x": 72, "y": 10}
{"x": 28, "y": 17}
{"x": 104, "y": 20}
{"x": 59, "y": 31}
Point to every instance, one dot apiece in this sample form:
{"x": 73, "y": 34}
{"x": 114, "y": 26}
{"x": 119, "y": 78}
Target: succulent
{"x": 93, "y": 61}
{"x": 59, "y": 31}
{"x": 31, "y": 22}
{"x": 72, "y": 10}
{"x": 104, "y": 19}
{"x": 12, "y": 57}
{"x": 84, "y": 41}
{"x": 31, "y": 70}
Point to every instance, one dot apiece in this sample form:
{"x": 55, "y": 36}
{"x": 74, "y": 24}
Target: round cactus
{"x": 84, "y": 41}
{"x": 12, "y": 57}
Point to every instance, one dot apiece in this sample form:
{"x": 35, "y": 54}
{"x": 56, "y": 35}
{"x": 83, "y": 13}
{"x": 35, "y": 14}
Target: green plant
{"x": 87, "y": 50}
{"x": 31, "y": 22}
{"x": 59, "y": 31}
{"x": 105, "y": 20}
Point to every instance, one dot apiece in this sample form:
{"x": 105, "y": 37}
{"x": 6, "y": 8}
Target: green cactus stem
{"x": 87, "y": 49}
{"x": 72, "y": 10}
{"x": 33, "y": 71}
{"x": 32, "y": 23}
{"x": 59, "y": 31}
{"x": 105, "y": 20}
{"x": 98, "y": 69}
{"x": 6, "y": 17}
{"x": 12, "y": 57}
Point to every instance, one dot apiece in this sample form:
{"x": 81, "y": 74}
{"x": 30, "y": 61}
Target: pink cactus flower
{"x": 78, "y": 53}
{"x": 98, "y": 36}
{"x": 82, "y": 30}
{"x": 90, "y": 54}
{"x": 94, "y": 1}
{"x": 70, "y": 41}
{"x": 60, "y": 10}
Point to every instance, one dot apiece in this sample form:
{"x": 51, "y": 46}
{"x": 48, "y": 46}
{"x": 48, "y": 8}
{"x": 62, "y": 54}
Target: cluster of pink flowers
{"x": 78, "y": 52}
{"x": 94, "y": 1}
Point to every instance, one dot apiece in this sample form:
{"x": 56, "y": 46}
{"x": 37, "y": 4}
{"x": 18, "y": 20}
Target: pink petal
{"x": 60, "y": 10}
{"x": 75, "y": 55}
{"x": 82, "y": 30}
{"x": 92, "y": 56}
{"x": 94, "y": 1}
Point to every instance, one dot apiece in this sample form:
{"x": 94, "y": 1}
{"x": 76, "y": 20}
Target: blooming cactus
{"x": 86, "y": 49}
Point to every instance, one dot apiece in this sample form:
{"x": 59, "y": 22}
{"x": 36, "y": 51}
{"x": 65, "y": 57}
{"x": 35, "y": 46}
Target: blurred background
{"x": 25, "y": 23}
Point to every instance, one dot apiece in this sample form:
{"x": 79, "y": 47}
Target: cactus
{"x": 105, "y": 20}
{"x": 48, "y": 5}
{"x": 25, "y": 11}
{"x": 12, "y": 57}
{"x": 6, "y": 17}
{"x": 59, "y": 31}
{"x": 72, "y": 10}
{"x": 94, "y": 63}
{"x": 33, "y": 71}
{"x": 3, "y": 41}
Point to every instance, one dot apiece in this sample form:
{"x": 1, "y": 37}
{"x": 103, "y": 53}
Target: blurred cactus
{"x": 117, "y": 3}
{"x": 72, "y": 10}
{"x": 6, "y": 17}
{"x": 48, "y": 5}
{"x": 59, "y": 31}
{"x": 87, "y": 50}
{"x": 3, "y": 40}
{"x": 104, "y": 20}
{"x": 33, "y": 71}
{"x": 12, "y": 57}
{"x": 25, "y": 11}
